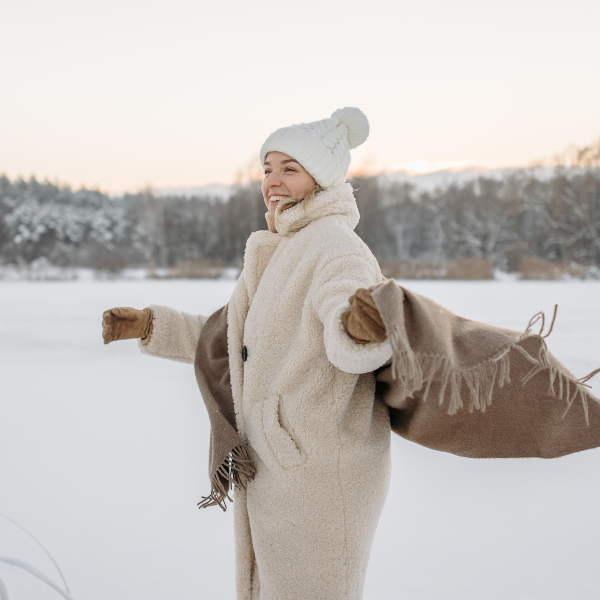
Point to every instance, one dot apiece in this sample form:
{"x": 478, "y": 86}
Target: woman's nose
{"x": 273, "y": 180}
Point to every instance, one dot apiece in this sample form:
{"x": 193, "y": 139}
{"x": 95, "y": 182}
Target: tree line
{"x": 553, "y": 215}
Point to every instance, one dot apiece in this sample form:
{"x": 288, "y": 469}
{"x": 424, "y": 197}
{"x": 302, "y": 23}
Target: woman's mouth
{"x": 276, "y": 198}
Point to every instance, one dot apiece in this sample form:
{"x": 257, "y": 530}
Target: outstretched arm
{"x": 338, "y": 280}
{"x": 161, "y": 331}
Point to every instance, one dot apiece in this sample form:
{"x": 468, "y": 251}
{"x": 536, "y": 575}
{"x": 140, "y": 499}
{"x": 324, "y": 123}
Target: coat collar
{"x": 337, "y": 201}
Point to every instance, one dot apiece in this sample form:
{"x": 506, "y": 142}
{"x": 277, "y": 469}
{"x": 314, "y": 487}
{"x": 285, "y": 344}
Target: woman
{"x": 301, "y": 373}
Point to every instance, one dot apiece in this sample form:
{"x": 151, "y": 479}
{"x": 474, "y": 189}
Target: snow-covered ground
{"x": 103, "y": 456}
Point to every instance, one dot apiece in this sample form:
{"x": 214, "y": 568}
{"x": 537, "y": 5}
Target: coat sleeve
{"x": 335, "y": 282}
{"x": 175, "y": 334}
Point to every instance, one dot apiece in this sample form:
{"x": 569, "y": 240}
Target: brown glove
{"x": 126, "y": 324}
{"x": 363, "y": 321}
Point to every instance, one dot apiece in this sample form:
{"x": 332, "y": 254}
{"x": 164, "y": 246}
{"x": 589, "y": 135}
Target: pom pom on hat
{"x": 322, "y": 147}
{"x": 356, "y": 123}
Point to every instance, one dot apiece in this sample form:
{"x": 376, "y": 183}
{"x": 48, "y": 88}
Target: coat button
{"x": 244, "y": 353}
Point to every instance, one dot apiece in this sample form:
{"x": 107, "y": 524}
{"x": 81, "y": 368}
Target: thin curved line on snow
{"x": 41, "y": 546}
{"x": 21, "y": 564}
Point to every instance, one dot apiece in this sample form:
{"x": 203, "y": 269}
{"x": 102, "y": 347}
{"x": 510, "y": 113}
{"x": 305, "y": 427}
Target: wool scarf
{"x": 452, "y": 384}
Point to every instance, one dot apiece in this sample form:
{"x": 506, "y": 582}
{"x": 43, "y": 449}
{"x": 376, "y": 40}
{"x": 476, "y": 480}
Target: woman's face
{"x": 284, "y": 178}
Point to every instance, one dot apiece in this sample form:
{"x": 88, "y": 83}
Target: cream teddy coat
{"x": 305, "y": 403}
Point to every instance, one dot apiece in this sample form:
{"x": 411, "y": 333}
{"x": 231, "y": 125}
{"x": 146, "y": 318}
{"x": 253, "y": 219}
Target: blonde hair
{"x": 306, "y": 198}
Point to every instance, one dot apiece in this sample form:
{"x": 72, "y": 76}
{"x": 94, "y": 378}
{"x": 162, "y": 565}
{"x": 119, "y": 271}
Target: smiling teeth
{"x": 276, "y": 198}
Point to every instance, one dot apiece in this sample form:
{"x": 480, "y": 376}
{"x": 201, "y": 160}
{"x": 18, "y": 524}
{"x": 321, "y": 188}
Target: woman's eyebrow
{"x": 282, "y": 162}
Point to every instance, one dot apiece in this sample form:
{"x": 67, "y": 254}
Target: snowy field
{"x": 103, "y": 456}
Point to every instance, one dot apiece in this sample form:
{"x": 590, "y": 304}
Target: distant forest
{"x": 554, "y": 217}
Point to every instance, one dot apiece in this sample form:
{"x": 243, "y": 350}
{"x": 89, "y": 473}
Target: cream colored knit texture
{"x": 321, "y": 147}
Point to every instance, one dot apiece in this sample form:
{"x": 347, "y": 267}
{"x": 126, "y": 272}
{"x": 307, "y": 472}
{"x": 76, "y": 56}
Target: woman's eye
{"x": 290, "y": 169}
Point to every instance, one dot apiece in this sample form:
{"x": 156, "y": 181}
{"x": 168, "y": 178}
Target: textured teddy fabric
{"x": 175, "y": 334}
{"x": 304, "y": 402}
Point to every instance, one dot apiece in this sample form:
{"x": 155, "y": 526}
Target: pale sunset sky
{"x": 124, "y": 94}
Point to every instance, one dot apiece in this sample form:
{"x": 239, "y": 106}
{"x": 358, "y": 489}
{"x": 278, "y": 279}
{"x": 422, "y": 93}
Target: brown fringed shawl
{"x": 229, "y": 463}
{"x": 453, "y": 385}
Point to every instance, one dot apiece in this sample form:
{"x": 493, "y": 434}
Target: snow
{"x": 104, "y": 456}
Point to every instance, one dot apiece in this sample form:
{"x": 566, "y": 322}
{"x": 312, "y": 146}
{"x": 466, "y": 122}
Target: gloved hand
{"x": 126, "y": 324}
{"x": 363, "y": 322}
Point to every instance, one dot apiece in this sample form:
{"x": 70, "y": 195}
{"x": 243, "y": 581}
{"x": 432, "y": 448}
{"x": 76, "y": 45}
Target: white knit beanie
{"x": 322, "y": 147}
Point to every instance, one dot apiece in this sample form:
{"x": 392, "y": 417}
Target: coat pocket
{"x": 285, "y": 450}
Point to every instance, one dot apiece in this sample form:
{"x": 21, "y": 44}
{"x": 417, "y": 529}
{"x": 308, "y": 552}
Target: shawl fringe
{"x": 417, "y": 371}
{"x": 237, "y": 470}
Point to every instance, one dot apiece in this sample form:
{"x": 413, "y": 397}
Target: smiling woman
{"x": 286, "y": 183}
{"x": 306, "y": 430}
